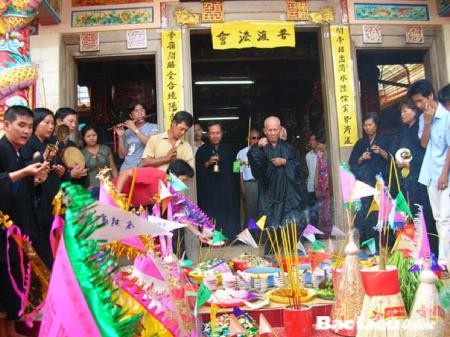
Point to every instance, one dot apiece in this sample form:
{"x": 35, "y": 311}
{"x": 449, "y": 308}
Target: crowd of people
{"x": 266, "y": 175}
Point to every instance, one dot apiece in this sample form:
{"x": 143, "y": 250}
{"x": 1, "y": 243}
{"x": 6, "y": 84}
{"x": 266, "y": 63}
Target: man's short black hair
{"x": 183, "y": 116}
{"x": 444, "y": 94}
{"x": 212, "y": 123}
{"x": 17, "y": 110}
{"x": 62, "y": 113}
{"x": 422, "y": 87}
{"x": 180, "y": 167}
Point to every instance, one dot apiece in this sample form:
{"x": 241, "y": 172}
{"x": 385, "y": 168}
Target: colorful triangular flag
{"x": 261, "y": 223}
{"x": 421, "y": 229}
{"x": 164, "y": 192}
{"x": 310, "y": 229}
{"x": 252, "y": 224}
{"x": 176, "y": 183}
{"x": 203, "y": 295}
{"x": 146, "y": 265}
{"x": 371, "y": 245}
{"x": 310, "y": 237}
{"x": 246, "y": 237}
{"x": 264, "y": 325}
{"x": 318, "y": 245}
{"x": 235, "y": 327}
{"x": 402, "y": 205}
{"x": 301, "y": 248}
{"x": 348, "y": 181}
{"x": 218, "y": 237}
{"x": 361, "y": 190}
{"x": 317, "y": 258}
{"x": 337, "y": 232}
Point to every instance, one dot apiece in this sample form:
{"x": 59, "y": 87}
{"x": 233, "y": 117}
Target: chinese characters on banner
{"x": 297, "y": 10}
{"x": 343, "y": 83}
{"x": 245, "y": 34}
{"x": 212, "y": 11}
{"x": 172, "y": 74}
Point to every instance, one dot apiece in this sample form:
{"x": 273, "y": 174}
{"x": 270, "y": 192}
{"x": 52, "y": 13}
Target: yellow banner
{"x": 343, "y": 86}
{"x": 244, "y": 34}
{"x": 172, "y": 74}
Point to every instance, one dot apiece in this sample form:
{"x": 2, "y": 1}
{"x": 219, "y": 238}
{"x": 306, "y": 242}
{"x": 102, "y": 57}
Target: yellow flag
{"x": 373, "y": 207}
{"x": 213, "y": 315}
{"x": 261, "y": 222}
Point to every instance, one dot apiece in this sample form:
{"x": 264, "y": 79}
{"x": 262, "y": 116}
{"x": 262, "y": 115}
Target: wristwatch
{"x": 137, "y": 131}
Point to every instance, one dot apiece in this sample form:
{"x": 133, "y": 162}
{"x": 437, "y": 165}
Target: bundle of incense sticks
{"x": 285, "y": 244}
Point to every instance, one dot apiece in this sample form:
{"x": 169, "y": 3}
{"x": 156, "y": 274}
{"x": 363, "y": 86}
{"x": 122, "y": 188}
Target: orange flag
{"x": 317, "y": 258}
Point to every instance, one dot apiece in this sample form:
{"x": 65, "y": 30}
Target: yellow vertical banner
{"x": 344, "y": 86}
{"x": 172, "y": 73}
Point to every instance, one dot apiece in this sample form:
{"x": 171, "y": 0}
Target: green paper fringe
{"x": 93, "y": 267}
{"x": 409, "y": 281}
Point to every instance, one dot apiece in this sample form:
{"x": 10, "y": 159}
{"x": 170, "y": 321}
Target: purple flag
{"x": 252, "y": 224}
{"x": 310, "y": 229}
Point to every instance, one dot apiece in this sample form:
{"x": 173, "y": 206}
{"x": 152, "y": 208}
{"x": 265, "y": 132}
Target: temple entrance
{"x": 107, "y": 87}
{"x": 241, "y": 87}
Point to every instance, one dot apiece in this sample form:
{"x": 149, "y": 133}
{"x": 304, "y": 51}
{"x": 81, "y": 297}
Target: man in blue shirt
{"x": 434, "y": 134}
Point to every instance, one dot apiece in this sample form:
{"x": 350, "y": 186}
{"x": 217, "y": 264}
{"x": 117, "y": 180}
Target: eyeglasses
{"x": 256, "y": 137}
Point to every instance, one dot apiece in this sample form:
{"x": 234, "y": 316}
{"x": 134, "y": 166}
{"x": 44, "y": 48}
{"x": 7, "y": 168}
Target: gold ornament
{"x": 324, "y": 15}
{"x": 184, "y": 17}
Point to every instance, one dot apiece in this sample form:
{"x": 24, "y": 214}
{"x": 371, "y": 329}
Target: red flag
{"x": 317, "y": 258}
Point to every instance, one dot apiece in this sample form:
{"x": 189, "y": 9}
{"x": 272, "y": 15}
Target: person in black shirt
{"x": 78, "y": 174}
{"x": 17, "y": 185}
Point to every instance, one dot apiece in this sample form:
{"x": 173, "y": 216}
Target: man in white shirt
{"x": 311, "y": 161}
{"x": 248, "y": 184}
{"x": 434, "y": 134}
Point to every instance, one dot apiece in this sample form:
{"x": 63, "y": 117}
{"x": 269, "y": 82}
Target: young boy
{"x": 17, "y": 184}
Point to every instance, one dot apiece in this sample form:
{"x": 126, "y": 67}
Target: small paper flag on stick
{"x": 252, "y": 224}
{"x": 203, "y": 295}
{"x": 317, "y": 258}
{"x": 176, "y": 183}
{"x": 264, "y": 325}
{"x": 301, "y": 248}
{"x": 238, "y": 312}
{"x": 310, "y": 229}
{"x": 318, "y": 245}
{"x": 146, "y": 265}
{"x": 213, "y": 315}
{"x": 218, "y": 237}
{"x": 401, "y": 204}
{"x": 235, "y": 327}
{"x": 164, "y": 192}
{"x": 361, "y": 190}
{"x": 337, "y": 232}
{"x": 310, "y": 237}
{"x": 246, "y": 237}
{"x": 371, "y": 245}
{"x": 421, "y": 227}
{"x": 261, "y": 222}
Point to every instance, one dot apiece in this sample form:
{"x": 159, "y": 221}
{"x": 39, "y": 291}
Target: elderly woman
{"x": 369, "y": 158}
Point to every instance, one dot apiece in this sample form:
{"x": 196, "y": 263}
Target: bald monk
{"x": 281, "y": 180}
